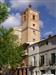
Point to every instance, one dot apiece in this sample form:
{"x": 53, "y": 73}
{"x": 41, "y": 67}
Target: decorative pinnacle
{"x": 30, "y": 5}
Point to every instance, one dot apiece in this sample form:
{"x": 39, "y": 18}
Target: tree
{"x": 3, "y": 12}
{"x": 10, "y": 52}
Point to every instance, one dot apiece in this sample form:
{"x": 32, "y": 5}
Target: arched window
{"x": 33, "y": 17}
{"x": 24, "y": 17}
{"x": 33, "y": 24}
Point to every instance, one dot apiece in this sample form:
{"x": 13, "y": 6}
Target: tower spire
{"x": 30, "y": 5}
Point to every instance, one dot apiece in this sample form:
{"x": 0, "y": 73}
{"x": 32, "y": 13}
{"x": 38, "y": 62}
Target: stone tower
{"x": 30, "y": 26}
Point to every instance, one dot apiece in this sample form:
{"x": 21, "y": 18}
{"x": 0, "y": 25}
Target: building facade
{"x": 33, "y": 60}
{"x": 47, "y": 52}
{"x": 17, "y": 33}
{"x": 42, "y": 57}
{"x": 30, "y": 28}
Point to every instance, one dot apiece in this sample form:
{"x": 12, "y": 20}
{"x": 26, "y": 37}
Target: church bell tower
{"x": 30, "y": 26}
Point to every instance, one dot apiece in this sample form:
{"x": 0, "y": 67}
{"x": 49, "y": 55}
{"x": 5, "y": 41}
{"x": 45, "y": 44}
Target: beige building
{"x": 29, "y": 32}
{"x": 47, "y": 52}
{"x": 33, "y": 59}
{"x": 17, "y": 33}
{"x": 42, "y": 57}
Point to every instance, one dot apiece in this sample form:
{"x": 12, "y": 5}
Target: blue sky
{"x": 47, "y": 9}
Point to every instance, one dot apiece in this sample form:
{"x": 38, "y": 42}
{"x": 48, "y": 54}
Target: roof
{"x": 25, "y": 45}
{"x": 49, "y": 37}
{"x": 42, "y": 41}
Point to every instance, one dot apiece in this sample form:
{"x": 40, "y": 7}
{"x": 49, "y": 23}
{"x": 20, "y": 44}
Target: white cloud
{"x": 41, "y": 24}
{"x": 51, "y": 5}
{"x": 12, "y": 21}
{"x": 17, "y": 3}
{"x": 2, "y": 1}
{"x": 48, "y": 33}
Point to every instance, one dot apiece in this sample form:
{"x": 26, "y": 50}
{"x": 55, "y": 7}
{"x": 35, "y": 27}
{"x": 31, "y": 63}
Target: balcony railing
{"x": 31, "y": 66}
{"x": 41, "y": 64}
{"x": 51, "y": 63}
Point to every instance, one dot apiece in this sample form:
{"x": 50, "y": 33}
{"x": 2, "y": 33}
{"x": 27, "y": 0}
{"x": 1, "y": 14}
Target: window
{"x": 53, "y": 58}
{"x": 33, "y": 32}
{"x": 24, "y": 18}
{"x": 33, "y": 47}
{"x": 31, "y": 72}
{"x": 47, "y": 42}
{"x": 53, "y": 71}
{"x": 22, "y": 71}
{"x": 42, "y": 71}
{"x": 24, "y": 12}
{"x": 42, "y": 60}
{"x": 18, "y": 72}
{"x": 33, "y": 24}
{"x": 36, "y": 72}
{"x": 35, "y": 63}
{"x": 33, "y": 17}
{"x": 33, "y": 39}
{"x": 31, "y": 62}
{"x": 26, "y": 71}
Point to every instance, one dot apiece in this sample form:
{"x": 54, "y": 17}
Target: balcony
{"x": 41, "y": 64}
{"x": 51, "y": 63}
{"x": 32, "y": 66}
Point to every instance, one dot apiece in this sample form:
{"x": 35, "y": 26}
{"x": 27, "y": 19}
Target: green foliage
{"x": 3, "y": 12}
{"x": 10, "y": 52}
